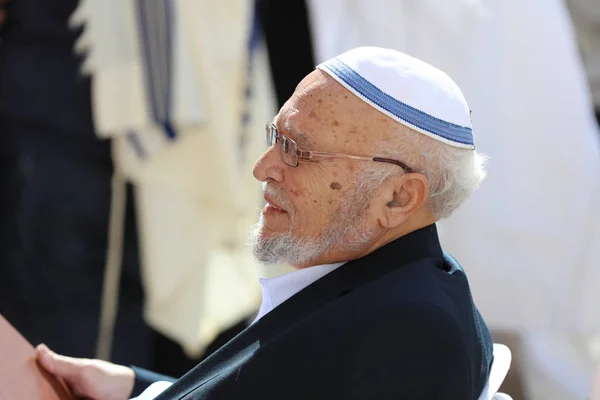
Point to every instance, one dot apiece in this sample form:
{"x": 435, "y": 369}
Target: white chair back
{"x": 500, "y": 367}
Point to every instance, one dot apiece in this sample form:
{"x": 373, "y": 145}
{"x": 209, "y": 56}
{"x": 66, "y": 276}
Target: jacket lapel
{"x": 423, "y": 243}
{"x": 417, "y": 245}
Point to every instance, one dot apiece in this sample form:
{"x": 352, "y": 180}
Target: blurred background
{"x": 128, "y": 130}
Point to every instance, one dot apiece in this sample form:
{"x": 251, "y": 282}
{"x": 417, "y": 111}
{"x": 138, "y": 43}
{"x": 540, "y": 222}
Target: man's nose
{"x": 269, "y": 165}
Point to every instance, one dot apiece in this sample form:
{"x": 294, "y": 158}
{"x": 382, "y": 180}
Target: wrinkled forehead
{"x": 321, "y": 109}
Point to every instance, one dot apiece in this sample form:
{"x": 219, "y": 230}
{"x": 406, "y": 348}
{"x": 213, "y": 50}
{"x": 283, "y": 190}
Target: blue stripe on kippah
{"x": 417, "y": 118}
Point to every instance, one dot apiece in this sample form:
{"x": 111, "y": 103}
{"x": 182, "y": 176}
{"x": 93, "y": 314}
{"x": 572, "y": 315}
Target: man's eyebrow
{"x": 296, "y": 135}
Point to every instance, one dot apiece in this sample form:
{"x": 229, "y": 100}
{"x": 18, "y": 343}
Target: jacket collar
{"x": 417, "y": 245}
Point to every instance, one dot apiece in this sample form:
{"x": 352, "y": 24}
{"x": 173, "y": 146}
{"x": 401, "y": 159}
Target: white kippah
{"x": 406, "y": 89}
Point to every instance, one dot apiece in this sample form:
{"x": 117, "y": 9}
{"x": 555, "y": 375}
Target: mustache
{"x": 278, "y": 196}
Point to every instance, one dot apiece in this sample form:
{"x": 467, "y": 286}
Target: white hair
{"x": 453, "y": 173}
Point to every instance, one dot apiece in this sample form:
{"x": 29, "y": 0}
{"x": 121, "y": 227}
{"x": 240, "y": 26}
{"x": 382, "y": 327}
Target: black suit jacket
{"x": 398, "y": 323}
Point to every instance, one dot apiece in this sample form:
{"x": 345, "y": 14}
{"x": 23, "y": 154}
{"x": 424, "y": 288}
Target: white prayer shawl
{"x": 120, "y": 40}
{"x": 169, "y": 88}
{"x": 195, "y": 257}
{"x": 529, "y": 238}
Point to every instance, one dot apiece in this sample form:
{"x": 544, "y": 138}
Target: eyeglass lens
{"x": 288, "y": 148}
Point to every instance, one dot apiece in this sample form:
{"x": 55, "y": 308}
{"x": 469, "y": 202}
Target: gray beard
{"x": 346, "y": 232}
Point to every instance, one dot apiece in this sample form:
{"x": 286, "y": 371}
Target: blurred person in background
{"x": 57, "y": 196}
{"x": 530, "y": 238}
{"x": 171, "y": 83}
{"x": 55, "y": 191}
{"x": 78, "y": 67}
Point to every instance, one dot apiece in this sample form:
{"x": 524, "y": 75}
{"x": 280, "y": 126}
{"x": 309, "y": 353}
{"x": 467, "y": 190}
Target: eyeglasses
{"x": 291, "y": 154}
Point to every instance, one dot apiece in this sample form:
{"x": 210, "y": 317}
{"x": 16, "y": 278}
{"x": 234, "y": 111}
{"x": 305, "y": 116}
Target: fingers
{"x": 62, "y": 366}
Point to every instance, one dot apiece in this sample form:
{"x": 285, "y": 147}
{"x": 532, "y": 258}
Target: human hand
{"x": 90, "y": 379}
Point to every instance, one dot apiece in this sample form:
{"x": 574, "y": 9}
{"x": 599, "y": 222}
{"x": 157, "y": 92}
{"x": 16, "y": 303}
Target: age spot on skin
{"x": 335, "y": 186}
{"x": 336, "y": 123}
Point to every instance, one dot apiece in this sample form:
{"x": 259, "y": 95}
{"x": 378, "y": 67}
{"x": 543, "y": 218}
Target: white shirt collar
{"x": 277, "y": 290}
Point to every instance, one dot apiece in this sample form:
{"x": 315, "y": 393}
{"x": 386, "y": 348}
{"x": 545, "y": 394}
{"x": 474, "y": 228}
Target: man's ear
{"x": 400, "y": 198}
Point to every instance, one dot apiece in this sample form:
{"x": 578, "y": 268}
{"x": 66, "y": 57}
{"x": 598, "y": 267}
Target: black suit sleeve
{"x": 145, "y": 378}
{"x": 418, "y": 353}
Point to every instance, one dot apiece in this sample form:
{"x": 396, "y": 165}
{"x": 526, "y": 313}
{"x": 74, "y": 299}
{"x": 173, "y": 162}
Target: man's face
{"x": 316, "y": 203}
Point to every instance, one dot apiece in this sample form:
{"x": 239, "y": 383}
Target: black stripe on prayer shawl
{"x": 155, "y": 26}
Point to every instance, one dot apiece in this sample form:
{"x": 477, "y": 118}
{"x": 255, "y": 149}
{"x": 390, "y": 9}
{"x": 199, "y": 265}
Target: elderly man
{"x": 371, "y": 150}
